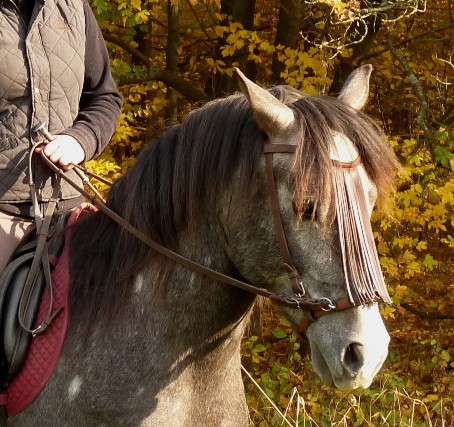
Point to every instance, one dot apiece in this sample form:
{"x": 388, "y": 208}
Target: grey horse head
{"x": 347, "y": 347}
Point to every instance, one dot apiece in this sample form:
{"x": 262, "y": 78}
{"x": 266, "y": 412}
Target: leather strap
{"x": 290, "y": 301}
{"x": 312, "y": 315}
{"x": 279, "y": 148}
{"x": 314, "y": 308}
{"x": 292, "y": 272}
{"x": 41, "y": 253}
{"x": 347, "y": 165}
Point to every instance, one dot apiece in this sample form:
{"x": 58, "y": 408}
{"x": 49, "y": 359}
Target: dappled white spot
{"x": 74, "y": 387}
{"x": 138, "y": 284}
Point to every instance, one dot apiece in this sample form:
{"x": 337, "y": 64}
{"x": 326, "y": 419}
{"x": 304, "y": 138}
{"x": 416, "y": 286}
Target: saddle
{"x": 18, "y": 305}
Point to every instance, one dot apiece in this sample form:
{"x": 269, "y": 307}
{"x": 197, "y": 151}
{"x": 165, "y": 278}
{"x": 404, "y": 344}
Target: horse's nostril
{"x": 353, "y": 358}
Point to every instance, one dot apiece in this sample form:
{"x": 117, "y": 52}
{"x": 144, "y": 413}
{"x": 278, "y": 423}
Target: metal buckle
{"x": 327, "y": 301}
{"x": 295, "y": 300}
{"x": 302, "y": 292}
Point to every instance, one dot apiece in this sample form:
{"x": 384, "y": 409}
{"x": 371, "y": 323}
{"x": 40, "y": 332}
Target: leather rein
{"x": 312, "y": 308}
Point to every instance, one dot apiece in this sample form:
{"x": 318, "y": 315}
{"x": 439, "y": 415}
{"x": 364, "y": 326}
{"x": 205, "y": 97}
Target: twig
{"x": 266, "y": 396}
{"x": 425, "y": 314}
{"x": 181, "y": 85}
{"x": 364, "y": 58}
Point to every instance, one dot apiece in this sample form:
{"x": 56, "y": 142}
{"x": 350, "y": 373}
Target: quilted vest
{"x": 41, "y": 80}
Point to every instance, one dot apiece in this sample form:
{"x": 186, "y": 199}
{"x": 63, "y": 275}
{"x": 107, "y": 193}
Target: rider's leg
{"x": 12, "y": 230}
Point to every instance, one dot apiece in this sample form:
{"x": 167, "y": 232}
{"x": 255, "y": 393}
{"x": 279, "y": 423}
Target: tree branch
{"x": 173, "y": 41}
{"x": 128, "y": 48}
{"x": 402, "y": 43}
{"x": 154, "y": 73}
{"x": 425, "y": 314}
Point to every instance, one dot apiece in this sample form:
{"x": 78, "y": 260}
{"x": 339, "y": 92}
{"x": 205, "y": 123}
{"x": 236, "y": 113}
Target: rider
{"x": 54, "y": 68}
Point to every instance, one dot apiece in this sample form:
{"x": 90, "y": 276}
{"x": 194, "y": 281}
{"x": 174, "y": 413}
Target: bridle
{"x": 311, "y": 313}
{"x": 313, "y": 308}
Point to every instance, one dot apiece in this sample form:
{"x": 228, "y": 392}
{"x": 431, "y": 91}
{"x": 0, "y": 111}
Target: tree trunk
{"x": 172, "y": 60}
{"x": 287, "y": 34}
{"x": 241, "y": 11}
{"x": 362, "y": 32}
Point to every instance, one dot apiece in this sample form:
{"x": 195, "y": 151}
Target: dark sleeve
{"x": 100, "y": 102}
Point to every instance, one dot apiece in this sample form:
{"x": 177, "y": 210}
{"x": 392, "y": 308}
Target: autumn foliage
{"x": 170, "y": 56}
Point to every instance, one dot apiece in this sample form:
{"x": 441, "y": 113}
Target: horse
{"x": 151, "y": 342}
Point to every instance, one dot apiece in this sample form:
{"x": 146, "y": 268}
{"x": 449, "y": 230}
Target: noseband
{"x": 313, "y": 308}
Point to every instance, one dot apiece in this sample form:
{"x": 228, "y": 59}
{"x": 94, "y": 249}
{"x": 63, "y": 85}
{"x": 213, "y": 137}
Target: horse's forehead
{"x": 343, "y": 149}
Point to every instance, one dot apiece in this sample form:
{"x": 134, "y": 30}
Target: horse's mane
{"x": 178, "y": 176}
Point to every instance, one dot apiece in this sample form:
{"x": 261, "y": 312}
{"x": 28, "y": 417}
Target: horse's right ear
{"x": 355, "y": 91}
{"x": 272, "y": 116}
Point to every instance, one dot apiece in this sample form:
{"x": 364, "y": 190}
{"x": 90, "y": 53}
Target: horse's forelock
{"x": 319, "y": 118}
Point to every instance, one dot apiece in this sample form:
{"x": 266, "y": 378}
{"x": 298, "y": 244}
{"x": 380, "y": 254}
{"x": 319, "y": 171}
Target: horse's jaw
{"x": 349, "y": 347}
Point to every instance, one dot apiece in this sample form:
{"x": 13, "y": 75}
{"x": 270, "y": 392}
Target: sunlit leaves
{"x": 429, "y": 262}
{"x": 305, "y": 69}
{"x": 422, "y": 212}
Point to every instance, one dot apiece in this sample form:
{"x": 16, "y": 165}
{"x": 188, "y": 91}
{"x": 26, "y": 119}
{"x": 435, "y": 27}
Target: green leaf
{"x": 259, "y": 348}
{"x": 284, "y": 322}
{"x": 100, "y": 6}
{"x": 279, "y": 334}
{"x": 429, "y": 262}
{"x": 443, "y": 156}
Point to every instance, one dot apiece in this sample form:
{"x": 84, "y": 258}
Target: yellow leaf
{"x": 421, "y": 246}
{"x": 388, "y": 311}
{"x": 136, "y": 4}
{"x": 445, "y": 356}
{"x": 234, "y": 26}
{"x": 220, "y": 30}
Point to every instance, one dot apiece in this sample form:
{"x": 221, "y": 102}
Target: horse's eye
{"x": 307, "y": 210}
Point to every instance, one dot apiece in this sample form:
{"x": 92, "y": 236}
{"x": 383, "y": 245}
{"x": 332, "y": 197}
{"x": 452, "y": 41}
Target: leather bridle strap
{"x": 289, "y": 301}
{"x": 310, "y": 315}
{"x": 292, "y": 272}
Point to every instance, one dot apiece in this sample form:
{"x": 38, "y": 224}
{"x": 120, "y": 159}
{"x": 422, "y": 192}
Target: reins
{"x": 41, "y": 256}
{"x": 284, "y": 300}
{"x": 312, "y": 308}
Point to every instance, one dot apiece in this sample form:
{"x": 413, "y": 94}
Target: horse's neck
{"x": 193, "y": 305}
{"x": 196, "y": 308}
{"x": 170, "y": 347}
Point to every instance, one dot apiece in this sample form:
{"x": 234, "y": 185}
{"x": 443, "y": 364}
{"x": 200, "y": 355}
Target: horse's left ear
{"x": 272, "y": 116}
{"x": 355, "y": 91}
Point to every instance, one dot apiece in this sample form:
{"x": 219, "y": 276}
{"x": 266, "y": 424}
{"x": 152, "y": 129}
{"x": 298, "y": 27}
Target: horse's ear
{"x": 355, "y": 91}
{"x": 273, "y": 116}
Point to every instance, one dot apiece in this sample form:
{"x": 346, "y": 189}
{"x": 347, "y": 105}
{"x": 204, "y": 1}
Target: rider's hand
{"x": 64, "y": 151}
